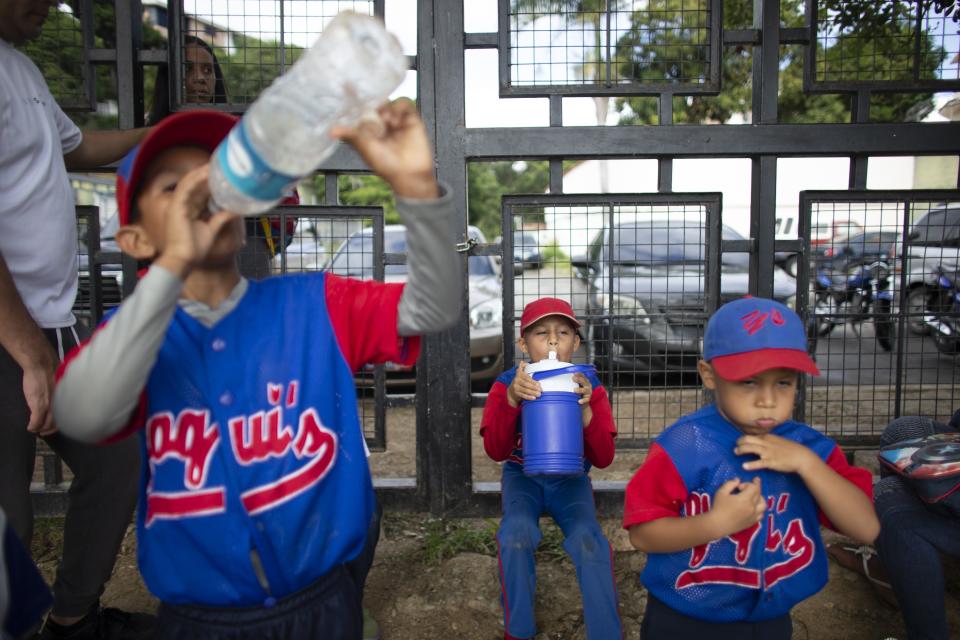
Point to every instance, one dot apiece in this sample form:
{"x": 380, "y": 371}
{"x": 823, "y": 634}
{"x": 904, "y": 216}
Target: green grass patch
{"x": 441, "y": 538}
{"x": 554, "y": 257}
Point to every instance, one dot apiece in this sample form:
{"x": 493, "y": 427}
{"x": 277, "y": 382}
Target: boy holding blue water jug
{"x": 554, "y": 480}
{"x": 729, "y": 502}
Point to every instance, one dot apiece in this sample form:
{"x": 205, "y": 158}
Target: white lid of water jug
{"x": 547, "y": 364}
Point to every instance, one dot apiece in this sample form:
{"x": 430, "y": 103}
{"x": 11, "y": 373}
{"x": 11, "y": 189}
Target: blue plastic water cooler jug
{"x": 553, "y": 423}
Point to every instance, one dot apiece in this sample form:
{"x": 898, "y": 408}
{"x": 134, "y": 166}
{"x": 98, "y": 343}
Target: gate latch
{"x": 464, "y": 247}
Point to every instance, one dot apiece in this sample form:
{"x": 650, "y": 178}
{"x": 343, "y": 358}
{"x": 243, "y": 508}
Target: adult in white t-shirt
{"x": 38, "y": 284}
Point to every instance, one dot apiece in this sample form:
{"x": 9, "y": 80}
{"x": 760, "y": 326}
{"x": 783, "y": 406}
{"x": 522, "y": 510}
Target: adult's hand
{"x": 38, "y": 391}
{"x": 28, "y": 346}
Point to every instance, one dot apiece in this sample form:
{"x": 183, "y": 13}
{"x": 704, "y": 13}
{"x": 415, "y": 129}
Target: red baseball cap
{"x": 201, "y": 128}
{"x": 543, "y": 307}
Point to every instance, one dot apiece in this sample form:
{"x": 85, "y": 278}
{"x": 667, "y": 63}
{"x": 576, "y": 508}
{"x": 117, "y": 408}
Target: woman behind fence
{"x": 204, "y": 83}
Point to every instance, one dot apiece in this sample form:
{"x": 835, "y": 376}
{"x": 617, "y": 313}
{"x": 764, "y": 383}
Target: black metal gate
{"x": 665, "y": 56}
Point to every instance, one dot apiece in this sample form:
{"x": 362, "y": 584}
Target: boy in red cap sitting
{"x": 728, "y": 503}
{"x": 549, "y": 324}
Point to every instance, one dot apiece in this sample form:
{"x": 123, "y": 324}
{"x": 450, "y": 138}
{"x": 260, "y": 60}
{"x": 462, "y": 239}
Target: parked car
{"x": 787, "y": 260}
{"x": 305, "y": 252}
{"x": 855, "y": 249}
{"x": 646, "y": 297}
{"x": 934, "y": 241}
{"x": 526, "y": 250}
{"x": 828, "y": 231}
{"x": 354, "y": 258}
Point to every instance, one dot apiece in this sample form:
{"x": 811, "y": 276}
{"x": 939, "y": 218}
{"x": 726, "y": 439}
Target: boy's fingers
{"x": 747, "y": 448}
{"x": 729, "y": 486}
{"x": 193, "y": 192}
{"x": 398, "y": 110}
{"x": 342, "y": 132}
{"x": 219, "y": 220}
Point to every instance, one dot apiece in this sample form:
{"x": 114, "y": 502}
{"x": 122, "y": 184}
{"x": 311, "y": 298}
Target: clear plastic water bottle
{"x": 285, "y": 134}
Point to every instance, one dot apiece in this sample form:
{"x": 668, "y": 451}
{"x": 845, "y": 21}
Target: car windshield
{"x": 355, "y": 258}
{"x": 524, "y": 239}
{"x": 872, "y": 242}
{"x": 669, "y": 243}
{"x": 939, "y": 226}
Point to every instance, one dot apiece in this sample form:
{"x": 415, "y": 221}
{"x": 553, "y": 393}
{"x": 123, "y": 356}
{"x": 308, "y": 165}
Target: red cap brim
{"x": 200, "y": 128}
{"x": 530, "y": 323}
{"x": 740, "y": 366}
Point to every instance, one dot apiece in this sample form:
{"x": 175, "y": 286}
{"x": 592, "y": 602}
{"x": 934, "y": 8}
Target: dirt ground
{"x": 434, "y": 580}
{"x": 437, "y": 579}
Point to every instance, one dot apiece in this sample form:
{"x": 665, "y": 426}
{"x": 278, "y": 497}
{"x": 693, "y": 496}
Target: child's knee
{"x": 587, "y": 541}
{"x": 894, "y": 501}
{"x": 519, "y": 533}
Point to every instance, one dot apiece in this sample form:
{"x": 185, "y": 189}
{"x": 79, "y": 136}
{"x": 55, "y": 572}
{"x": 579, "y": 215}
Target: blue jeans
{"x": 569, "y": 501}
{"x": 912, "y": 536}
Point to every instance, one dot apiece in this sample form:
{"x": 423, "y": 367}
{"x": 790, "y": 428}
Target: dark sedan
{"x": 855, "y": 249}
{"x": 646, "y": 297}
{"x": 526, "y": 250}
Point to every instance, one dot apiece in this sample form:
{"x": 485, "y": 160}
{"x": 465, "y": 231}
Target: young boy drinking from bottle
{"x": 256, "y": 494}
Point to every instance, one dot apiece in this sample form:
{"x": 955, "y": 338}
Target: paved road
{"x": 845, "y": 356}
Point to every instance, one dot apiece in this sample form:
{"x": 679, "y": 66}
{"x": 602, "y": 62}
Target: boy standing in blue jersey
{"x": 256, "y": 494}
{"x": 729, "y": 501}
{"x": 549, "y": 324}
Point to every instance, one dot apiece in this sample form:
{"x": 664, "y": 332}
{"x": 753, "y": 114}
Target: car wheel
{"x": 823, "y": 311}
{"x": 916, "y": 307}
{"x": 885, "y": 324}
{"x": 790, "y": 265}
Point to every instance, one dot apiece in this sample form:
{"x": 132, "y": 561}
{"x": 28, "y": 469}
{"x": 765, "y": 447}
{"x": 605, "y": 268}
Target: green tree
{"x": 590, "y": 17}
{"x": 58, "y": 53}
{"x": 664, "y": 44}
{"x": 253, "y": 65}
{"x": 359, "y": 190}
{"x": 650, "y": 49}
{"x": 488, "y": 182}
{"x": 875, "y": 16}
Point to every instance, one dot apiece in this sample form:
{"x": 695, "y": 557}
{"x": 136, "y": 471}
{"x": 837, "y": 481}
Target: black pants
{"x": 101, "y": 497}
{"x": 328, "y": 609}
{"x": 913, "y": 534}
{"x": 660, "y": 622}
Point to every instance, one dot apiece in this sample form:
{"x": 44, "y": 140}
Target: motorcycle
{"x": 944, "y": 321}
{"x": 859, "y": 293}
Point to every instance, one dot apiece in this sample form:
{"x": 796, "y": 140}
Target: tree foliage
{"x": 660, "y": 29}
{"x": 253, "y": 65}
{"x": 488, "y": 182}
{"x": 876, "y": 16}
{"x": 58, "y": 53}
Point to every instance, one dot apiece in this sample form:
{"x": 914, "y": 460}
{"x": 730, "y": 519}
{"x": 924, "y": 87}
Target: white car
{"x": 934, "y": 240}
{"x": 305, "y": 252}
{"x": 354, "y": 258}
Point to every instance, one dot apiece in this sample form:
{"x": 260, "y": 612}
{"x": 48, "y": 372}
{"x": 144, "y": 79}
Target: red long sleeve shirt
{"x": 500, "y": 430}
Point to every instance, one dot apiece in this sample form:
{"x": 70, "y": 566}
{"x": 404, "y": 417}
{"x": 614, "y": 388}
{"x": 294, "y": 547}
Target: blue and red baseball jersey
{"x": 759, "y": 573}
{"x": 252, "y": 444}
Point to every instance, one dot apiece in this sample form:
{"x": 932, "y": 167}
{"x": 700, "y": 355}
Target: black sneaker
{"x": 103, "y": 624}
